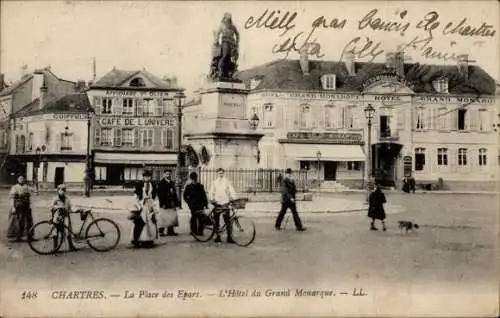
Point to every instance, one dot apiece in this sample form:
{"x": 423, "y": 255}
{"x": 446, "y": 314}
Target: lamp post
{"x": 36, "y": 165}
{"x": 318, "y": 156}
{"x": 179, "y": 97}
{"x": 369, "y": 113}
{"x": 254, "y": 121}
{"x": 88, "y": 164}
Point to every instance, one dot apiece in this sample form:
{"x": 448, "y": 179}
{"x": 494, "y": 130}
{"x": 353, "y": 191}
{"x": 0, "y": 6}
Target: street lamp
{"x": 318, "y": 156}
{"x": 88, "y": 163}
{"x": 179, "y": 97}
{"x": 36, "y": 165}
{"x": 369, "y": 113}
{"x": 254, "y": 121}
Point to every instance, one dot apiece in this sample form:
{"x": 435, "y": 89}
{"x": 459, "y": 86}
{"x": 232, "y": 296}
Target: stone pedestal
{"x": 220, "y": 123}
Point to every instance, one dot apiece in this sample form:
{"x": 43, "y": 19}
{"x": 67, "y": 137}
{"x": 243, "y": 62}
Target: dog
{"x": 407, "y": 226}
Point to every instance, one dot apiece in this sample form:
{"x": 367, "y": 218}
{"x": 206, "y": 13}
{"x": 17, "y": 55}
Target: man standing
{"x": 288, "y": 191}
{"x": 169, "y": 202}
{"x": 376, "y": 208}
{"x": 196, "y": 199}
{"x": 221, "y": 194}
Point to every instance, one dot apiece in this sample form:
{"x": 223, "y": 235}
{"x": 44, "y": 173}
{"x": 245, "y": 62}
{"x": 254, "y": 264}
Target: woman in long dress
{"x": 145, "y": 230}
{"x": 20, "y": 214}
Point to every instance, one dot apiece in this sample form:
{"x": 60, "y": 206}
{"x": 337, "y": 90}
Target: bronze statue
{"x": 225, "y": 50}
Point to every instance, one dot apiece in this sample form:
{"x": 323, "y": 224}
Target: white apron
{"x": 149, "y": 207}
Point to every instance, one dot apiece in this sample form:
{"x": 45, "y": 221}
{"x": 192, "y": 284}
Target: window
{"x": 128, "y": 137}
{"x": 106, "y": 105}
{"x": 149, "y": 107}
{"x": 168, "y": 138}
{"x": 128, "y": 106}
{"x": 137, "y": 82}
{"x": 385, "y": 126}
{"x": 168, "y": 106}
{"x": 268, "y": 115}
{"x": 305, "y": 119}
{"x": 354, "y": 165}
{"x": 305, "y": 165}
{"x": 461, "y": 119}
{"x": 147, "y": 137}
{"x": 329, "y": 116}
{"x": 441, "y": 85}
{"x": 328, "y": 81}
{"x": 30, "y": 141}
{"x": 462, "y": 157}
{"x": 419, "y": 159}
{"x": 66, "y": 141}
{"x": 442, "y": 157}
{"x": 106, "y": 136}
{"x": 482, "y": 157}
{"x": 443, "y": 119}
{"x": 349, "y": 117}
{"x": 420, "y": 124}
{"x": 483, "y": 120}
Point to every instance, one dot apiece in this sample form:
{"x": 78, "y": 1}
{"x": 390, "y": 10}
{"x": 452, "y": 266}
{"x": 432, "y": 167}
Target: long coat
{"x": 376, "y": 207}
{"x": 288, "y": 191}
{"x": 148, "y": 211}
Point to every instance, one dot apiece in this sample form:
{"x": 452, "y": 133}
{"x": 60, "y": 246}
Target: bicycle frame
{"x": 80, "y": 233}
{"x": 232, "y": 214}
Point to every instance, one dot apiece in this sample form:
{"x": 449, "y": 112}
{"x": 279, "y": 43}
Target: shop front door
{"x": 330, "y": 170}
{"x": 58, "y": 176}
{"x": 114, "y": 175}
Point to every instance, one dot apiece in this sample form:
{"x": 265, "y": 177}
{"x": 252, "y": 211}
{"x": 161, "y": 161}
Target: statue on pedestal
{"x": 225, "y": 51}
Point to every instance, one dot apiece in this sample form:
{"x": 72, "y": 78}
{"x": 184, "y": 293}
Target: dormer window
{"x": 441, "y": 85}
{"x": 137, "y": 82}
{"x": 328, "y": 81}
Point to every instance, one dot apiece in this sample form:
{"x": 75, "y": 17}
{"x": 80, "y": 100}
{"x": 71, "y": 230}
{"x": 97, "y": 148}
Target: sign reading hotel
{"x": 146, "y": 122}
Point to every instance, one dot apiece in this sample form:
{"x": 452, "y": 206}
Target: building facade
{"x": 134, "y": 127}
{"x": 433, "y": 122}
{"x": 56, "y": 137}
{"x": 32, "y": 92}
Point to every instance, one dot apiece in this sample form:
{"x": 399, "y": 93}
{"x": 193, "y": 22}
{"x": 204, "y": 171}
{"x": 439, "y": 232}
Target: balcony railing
{"x": 389, "y": 136}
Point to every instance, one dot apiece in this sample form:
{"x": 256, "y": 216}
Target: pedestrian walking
{"x": 196, "y": 199}
{"x": 412, "y": 184}
{"x": 60, "y": 209}
{"x": 169, "y": 202}
{"x": 221, "y": 194}
{"x": 406, "y": 184}
{"x": 144, "y": 232}
{"x": 288, "y": 197}
{"x": 20, "y": 214}
{"x": 376, "y": 208}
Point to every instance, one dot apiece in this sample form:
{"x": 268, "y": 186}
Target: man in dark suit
{"x": 288, "y": 191}
{"x": 167, "y": 196}
{"x": 144, "y": 189}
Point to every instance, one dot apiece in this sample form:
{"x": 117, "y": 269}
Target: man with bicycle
{"x": 60, "y": 209}
{"x": 221, "y": 195}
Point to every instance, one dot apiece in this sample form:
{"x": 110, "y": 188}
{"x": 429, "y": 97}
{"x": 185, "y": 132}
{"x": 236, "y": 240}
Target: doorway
{"x": 114, "y": 175}
{"x": 330, "y": 170}
{"x": 58, "y": 176}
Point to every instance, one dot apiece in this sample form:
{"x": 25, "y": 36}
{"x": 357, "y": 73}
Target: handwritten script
{"x": 363, "y": 47}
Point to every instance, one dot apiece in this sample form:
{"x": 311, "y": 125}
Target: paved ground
{"x": 452, "y": 260}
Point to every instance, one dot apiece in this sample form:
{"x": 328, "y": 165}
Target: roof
{"x": 116, "y": 78}
{"x": 286, "y": 74}
{"x": 9, "y": 90}
{"x": 71, "y": 103}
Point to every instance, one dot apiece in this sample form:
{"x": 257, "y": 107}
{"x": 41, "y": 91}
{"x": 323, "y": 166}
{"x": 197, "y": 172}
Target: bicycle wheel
{"x": 208, "y": 230}
{"x": 45, "y": 238}
{"x": 243, "y": 230}
{"x": 102, "y": 235}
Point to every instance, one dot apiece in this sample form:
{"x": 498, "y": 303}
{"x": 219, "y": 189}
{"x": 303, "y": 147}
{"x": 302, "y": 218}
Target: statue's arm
{"x": 237, "y": 34}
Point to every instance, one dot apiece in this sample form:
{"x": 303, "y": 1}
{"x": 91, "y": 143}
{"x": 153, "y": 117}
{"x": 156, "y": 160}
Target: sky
{"x": 174, "y": 38}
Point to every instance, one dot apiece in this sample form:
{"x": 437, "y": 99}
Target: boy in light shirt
{"x": 221, "y": 194}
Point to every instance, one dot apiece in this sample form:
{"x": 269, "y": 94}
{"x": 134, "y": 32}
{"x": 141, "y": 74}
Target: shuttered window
{"x": 117, "y": 137}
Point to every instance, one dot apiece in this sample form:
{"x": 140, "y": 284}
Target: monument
{"x": 220, "y": 124}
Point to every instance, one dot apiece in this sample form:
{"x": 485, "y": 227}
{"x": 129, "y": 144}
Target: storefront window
{"x": 305, "y": 165}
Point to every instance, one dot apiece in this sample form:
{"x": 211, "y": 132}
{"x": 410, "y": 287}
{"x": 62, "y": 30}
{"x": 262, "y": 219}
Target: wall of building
{"x": 74, "y": 173}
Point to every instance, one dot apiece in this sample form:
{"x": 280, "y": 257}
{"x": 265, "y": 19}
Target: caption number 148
{"x": 27, "y": 295}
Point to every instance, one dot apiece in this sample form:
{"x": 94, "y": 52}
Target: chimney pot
{"x": 349, "y": 63}
{"x": 463, "y": 65}
{"x": 304, "y": 62}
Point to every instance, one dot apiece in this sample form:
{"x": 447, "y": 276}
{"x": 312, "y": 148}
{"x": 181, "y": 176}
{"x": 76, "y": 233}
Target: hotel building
{"x": 431, "y": 121}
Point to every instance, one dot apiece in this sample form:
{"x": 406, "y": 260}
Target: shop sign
{"x": 134, "y": 93}
{"x": 149, "y": 122}
{"x": 326, "y": 137}
{"x": 318, "y": 95}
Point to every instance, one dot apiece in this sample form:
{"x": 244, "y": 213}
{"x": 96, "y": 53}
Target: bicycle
{"x": 243, "y": 229}
{"x": 52, "y": 233}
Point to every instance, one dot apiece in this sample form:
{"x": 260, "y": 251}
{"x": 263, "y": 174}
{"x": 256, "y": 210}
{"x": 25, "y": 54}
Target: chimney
{"x": 463, "y": 65}
{"x": 390, "y": 61}
{"x": 304, "y": 62}
{"x": 349, "y": 63}
{"x": 399, "y": 64}
{"x": 94, "y": 68}
{"x": 2, "y": 82}
{"x": 43, "y": 92}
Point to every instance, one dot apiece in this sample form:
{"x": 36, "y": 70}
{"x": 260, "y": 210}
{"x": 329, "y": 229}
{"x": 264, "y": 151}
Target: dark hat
{"x": 288, "y": 170}
{"x": 220, "y": 170}
{"x": 147, "y": 173}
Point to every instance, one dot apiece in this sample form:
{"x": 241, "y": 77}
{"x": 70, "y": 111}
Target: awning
{"x": 328, "y": 152}
{"x": 136, "y": 158}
